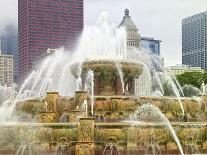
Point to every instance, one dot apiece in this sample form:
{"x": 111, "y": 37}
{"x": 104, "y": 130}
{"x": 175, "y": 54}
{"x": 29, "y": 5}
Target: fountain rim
{"x": 102, "y": 124}
{"x": 117, "y": 60}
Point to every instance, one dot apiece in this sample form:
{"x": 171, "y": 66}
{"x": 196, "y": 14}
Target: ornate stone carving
{"x": 85, "y": 144}
{"x": 86, "y": 129}
{"x": 51, "y": 101}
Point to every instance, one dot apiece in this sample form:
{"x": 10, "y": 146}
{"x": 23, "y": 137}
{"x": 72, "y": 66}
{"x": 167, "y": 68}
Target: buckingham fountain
{"x": 87, "y": 104}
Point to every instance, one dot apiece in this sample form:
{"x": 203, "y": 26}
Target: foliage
{"x": 190, "y": 90}
{"x": 75, "y": 70}
{"x": 31, "y": 107}
{"x": 189, "y": 81}
{"x": 192, "y": 78}
{"x": 108, "y": 71}
{"x": 167, "y": 88}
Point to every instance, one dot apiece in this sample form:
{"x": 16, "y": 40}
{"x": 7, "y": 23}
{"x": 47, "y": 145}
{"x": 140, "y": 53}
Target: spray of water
{"x": 119, "y": 68}
{"x": 176, "y": 92}
{"x": 85, "y": 107}
{"x": 7, "y": 92}
{"x": 150, "y": 113}
{"x": 178, "y": 84}
{"x": 54, "y": 73}
{"x": 90, "y": 86}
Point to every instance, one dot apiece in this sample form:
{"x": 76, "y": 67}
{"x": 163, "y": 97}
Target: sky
{"x": 159, "y": 19}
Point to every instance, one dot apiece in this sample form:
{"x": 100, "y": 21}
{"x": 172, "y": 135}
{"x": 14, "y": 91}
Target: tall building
{"x": 133, "y": 36}
{"x": 194, "y": 43}
{"x": 150, "y": 59}
{"x": 143, "y": 84}
{"x": 44, "y": 24}
{"x": 134, "y": 40}
{"x": 8, "y": 42}
{"x": 6, "y": 69}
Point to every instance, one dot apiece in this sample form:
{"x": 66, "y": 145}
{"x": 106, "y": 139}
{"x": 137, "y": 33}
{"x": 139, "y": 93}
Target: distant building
{"x": 133, "y": 36}
{"x": 143, "y": 84}
{"x": 8, "y": 44}
{"x": 44, "y": 24}
{"x": 6, "y": 69}
{"x": 153, "y": 47}
{"x": 135, "y": 41}
{"x": 180, "y": 69}
{"x": 150, "y": 44}
{"x": 194, "y": 40}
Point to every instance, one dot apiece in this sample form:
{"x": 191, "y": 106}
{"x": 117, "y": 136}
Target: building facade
{"x": 44, "y": 24}
{"x": 153, "y": 47}
{"x": 194, "y": 43}
{"x": 8, "y": 42}
{"x": 133, "y": 36}
{"x": 6, "y": 69}
{"x": 150, "y": 44}
{"x": 133, "y": 54}
{"x": 180, "y": 69}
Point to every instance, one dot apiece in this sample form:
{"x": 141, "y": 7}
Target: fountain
{"x": 153, "y": 147}
{"x": 93, "y": 108}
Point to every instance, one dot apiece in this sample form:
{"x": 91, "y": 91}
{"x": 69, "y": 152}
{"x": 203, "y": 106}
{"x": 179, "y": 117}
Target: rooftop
{"x": 149, "y": 39}
{"x": 127, "y": 21}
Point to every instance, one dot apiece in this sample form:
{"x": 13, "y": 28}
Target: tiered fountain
{"x": 105, "y": 116}
{"x": 104, "y": 126}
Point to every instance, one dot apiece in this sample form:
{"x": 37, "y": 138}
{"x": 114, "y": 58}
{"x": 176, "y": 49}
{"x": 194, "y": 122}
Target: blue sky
{"x": 160, "y": 19}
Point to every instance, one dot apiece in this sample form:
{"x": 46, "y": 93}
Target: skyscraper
{"x": 194, "y": 43}
{"x": 8, "y": 44}
{"x": 46, "y": 24}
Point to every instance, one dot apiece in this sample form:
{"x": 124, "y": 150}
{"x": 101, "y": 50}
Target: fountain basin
{"x": 107, "y": 79}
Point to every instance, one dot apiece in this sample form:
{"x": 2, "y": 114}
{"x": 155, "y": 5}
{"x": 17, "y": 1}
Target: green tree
{"x": 168, "y": 90}
{"x": 190, "y": 90}
{"x": 192, "y": 78}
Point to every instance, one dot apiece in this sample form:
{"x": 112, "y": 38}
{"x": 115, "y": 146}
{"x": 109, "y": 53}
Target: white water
{"x": 176, "y": 91}
{"x": 90, "y": 87}
{"x": 111, "y": 148}
{"x": 102, "y": 41}
{"x": 150, "y": 113}
{"x": 204, "y": 88}
{"x": 178, "y": 84}
{"x": 54, "y": 72}
{"x": 156, "y": 75}
{"x": 6, "y": 93}
{"x": 119, "y": 68}
{"x": 85, "y": 107}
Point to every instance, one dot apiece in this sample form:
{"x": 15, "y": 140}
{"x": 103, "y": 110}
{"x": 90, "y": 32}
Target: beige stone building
{"x": 6, "y": 69}
{"x": 133, "y": 35}
{"x": 180, "y": 69}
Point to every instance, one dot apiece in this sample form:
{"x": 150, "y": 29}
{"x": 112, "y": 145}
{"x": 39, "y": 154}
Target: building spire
{"x": 126, "y": 12}
{"x": 134, "y": 39}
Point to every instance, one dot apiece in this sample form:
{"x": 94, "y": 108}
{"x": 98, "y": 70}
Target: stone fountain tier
{"x": 62, "y": 124}
{"x": 94, "y": 138}
{"x": 73, "y": 125}
{"x": 56, "y": 109}
{"x": 108, "y": 78}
